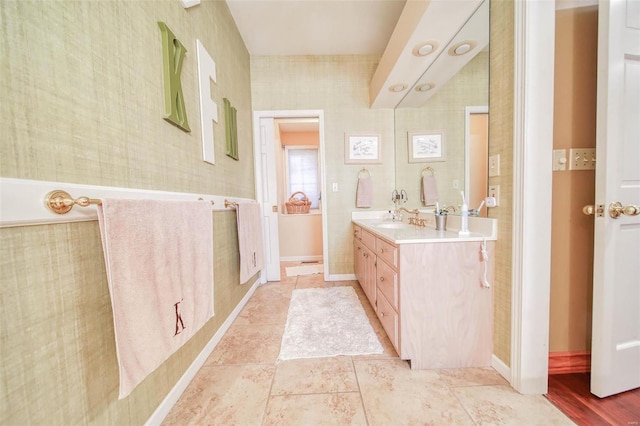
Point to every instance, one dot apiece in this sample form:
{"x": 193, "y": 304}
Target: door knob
{"x": 616, "y": 209}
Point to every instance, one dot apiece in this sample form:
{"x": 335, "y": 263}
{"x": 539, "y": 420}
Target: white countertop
{"x": 480, "y": 228}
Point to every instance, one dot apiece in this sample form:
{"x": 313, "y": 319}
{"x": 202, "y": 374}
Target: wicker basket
{"x": 298, "y": 205}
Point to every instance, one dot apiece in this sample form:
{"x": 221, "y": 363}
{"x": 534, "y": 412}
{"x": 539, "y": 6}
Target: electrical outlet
{"x": 494, "y": 192}
{"x": 334, "y": 187}
{"x": 494, "y": 165}
{"x": 559, "y": 160}
{"x": 582, "y": 159}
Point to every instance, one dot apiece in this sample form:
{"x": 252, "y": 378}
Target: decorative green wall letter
{"x": 231, "y": 128}
{"x": 172, "y": 55}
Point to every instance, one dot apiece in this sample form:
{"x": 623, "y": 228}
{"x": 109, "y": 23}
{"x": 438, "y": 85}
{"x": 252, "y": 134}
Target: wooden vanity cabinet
{"x": 375, "y": 264}
{"x": 429, "y": 298}
{"x": 365, "y": 263}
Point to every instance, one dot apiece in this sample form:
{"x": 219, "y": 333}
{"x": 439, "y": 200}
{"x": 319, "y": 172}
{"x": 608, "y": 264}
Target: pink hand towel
{"x": 364, "y": 192}
{"x": 250, "y": 240}
{"x": 428, "y": 190}
{"x": 159, "y": 262}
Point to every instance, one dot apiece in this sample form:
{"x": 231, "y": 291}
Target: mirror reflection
{"x": 441, "y": 138}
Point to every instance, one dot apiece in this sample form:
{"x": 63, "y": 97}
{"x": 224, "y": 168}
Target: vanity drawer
{"x": 389, "y": 320}
{"x": 357, "y": 232}
{"x": 387, "y": 281}
{"x": 368, "y": 239}
{"x": 387, "y": 251}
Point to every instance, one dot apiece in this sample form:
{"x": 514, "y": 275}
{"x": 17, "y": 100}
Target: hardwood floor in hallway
{"x": 570, "y": 393}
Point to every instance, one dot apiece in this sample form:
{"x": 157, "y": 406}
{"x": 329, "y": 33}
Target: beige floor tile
{"x": 248, "y": 344}
{"x": 393, "y": 394}
{"x": 312, "y": 281}
{"x": 224, "y": 395}
{"x": 268, "y": 305}
{"x": 493, "y": 405}
{"x": 471, "y": 377}
{"x": 241, "y": 384}
{"x": 315, "y": 375}
{"x": 315, "y": 409}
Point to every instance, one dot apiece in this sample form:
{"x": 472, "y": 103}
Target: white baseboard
{"x": 314, "y": 258}
{"x": 174, "y": 395}
{"x": 503, "y": 369}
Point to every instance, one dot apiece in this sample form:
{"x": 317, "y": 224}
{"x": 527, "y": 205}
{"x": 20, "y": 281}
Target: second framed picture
{"x": 426, "y": 146}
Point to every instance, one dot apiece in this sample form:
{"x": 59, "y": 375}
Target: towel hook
{"x": 364, "y": 170}
{"x": 428, "y": 169}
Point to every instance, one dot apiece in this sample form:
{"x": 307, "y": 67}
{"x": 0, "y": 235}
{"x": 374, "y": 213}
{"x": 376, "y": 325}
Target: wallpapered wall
{"x": 501, "y": 142}
{"x": 339, "y": 85}
{"x": 82, "y": 102}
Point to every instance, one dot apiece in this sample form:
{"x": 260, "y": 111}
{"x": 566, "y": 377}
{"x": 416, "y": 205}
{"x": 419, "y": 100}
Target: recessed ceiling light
{"x": 423, "y": 49}
{"x": 425, "y": 87}
{"x": 397, "y": 87}
{"x": 461, "y": 48}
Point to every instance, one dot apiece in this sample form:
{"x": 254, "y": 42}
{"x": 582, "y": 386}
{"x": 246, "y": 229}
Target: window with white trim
{"x": 302, "y": 173}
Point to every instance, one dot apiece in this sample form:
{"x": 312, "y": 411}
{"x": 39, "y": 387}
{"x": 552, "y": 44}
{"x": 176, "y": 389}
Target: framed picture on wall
{"x": 362, "y": 148}
{"x": 426, "y": 146}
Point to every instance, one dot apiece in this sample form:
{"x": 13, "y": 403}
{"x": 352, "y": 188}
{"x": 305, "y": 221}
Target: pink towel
{"x": 250, "y": 240}
{"x": 364, "y": 192}
{"x": 159, "y": 262}
{"x": 428, "y": 190}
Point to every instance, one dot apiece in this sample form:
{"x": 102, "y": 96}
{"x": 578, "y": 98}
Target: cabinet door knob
{"x": 382, "y": 250}
{"x": 382, "y": 313}
{"x": 381, "y": 278}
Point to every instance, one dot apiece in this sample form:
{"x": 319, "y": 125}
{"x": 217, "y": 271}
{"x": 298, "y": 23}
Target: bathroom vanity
{"x": 428, "y": 288}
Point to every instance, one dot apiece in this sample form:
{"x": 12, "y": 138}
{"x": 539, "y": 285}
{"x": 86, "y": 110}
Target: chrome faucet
{"x": 450, "y": 208}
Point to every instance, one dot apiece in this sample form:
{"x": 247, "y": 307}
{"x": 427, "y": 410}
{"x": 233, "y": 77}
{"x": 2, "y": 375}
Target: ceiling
{"x": 316, "y": 27}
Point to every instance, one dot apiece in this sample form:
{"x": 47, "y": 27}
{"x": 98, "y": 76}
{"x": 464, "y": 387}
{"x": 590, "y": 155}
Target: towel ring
{"x": 428, "y": 169}
{"x": 364, "y": 170}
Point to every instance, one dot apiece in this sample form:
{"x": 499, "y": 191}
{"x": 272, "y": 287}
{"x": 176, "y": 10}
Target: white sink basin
{"x": 392, "y": 225}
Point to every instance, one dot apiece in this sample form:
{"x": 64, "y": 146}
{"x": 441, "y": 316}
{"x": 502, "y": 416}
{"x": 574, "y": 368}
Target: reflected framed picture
{"x": 426, "y": 146}
{"x": 362, "y": 148}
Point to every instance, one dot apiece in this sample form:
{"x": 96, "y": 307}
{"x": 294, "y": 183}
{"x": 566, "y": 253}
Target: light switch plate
{"x": 559, "y": 160}
{"x": 494, "y": 165}
{"x": 582, "y": 159}
{"x": 494, "y": 192}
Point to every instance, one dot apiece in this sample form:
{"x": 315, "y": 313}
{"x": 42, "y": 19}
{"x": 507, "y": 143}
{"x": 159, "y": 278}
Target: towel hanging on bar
{"x": 364, "y": 190}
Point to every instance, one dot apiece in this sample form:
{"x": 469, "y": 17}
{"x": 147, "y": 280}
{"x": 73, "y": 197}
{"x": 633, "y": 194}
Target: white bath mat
{"x": 304, "y": 270}
{"x": 326, "y": 322}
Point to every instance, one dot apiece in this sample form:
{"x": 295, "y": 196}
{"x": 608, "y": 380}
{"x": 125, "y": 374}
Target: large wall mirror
{"x": 441, "y": 125}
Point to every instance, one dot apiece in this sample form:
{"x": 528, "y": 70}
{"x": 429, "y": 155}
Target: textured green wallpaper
{"x": 82, "y": 102}
{"x": 501, "y": 59}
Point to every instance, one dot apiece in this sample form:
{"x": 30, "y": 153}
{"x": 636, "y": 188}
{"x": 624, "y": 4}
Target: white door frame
{"x": 257, "y": 115}
{"x": 534, "y": 46}
{"x": 468, "y": 111}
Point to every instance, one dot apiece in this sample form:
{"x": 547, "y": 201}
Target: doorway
{"x": 476, "y": 152}
{"x": 283, "y": 140}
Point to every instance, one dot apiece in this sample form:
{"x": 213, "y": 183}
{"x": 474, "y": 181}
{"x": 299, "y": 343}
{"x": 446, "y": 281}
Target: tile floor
{"x": 241, "y": 383}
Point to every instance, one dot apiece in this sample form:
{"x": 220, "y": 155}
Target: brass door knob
{"x": 589, "y": 210}
{"x": 616, "y": 209}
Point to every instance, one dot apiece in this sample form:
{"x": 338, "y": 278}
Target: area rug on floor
{"x": 304, "y": 270}
{"x": 325, "y": 322}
